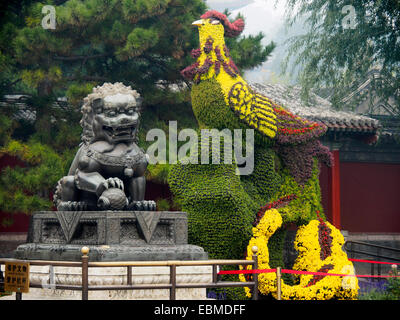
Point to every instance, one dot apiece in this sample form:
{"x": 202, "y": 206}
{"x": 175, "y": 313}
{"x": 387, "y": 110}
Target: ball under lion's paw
{"x": 112, "y": 199}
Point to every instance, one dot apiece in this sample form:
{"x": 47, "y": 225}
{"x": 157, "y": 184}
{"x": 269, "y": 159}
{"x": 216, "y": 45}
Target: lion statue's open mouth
{"x": 120, "y": 133}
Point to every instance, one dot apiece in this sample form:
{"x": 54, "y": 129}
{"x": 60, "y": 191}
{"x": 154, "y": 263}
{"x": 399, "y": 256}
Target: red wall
{"x": 325, "y": 190}
{"x": 20, "y": 224}
{"x": 9, "y": 161}
{"x": 369, "y": 196}
{"x": 21, "y": 220}
{"x": 157, "y": 190}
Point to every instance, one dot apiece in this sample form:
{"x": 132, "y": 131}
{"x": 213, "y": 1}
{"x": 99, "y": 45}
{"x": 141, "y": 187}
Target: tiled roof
{"x": 320, "y": 110}
{"x": 22, "y": 110}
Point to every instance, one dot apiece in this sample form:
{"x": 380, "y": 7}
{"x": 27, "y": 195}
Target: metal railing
{"x": 349, "y": 247}
{"x": 172, "y": 264}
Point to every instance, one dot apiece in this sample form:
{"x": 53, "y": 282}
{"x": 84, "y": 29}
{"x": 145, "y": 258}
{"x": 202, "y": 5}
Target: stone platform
{"x": 110, "y": 235}
{"x": 62, "y": 252}
{"x": 46, "y": 277}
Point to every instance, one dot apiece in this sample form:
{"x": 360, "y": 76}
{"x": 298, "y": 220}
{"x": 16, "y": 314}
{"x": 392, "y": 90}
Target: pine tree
{"x": 140, "y": 43}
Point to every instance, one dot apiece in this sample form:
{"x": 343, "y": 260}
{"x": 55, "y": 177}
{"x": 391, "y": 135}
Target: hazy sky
{"x": 260, "y": 15}
{"x": 220, "y": 5}
{"x": 267, "y": 16}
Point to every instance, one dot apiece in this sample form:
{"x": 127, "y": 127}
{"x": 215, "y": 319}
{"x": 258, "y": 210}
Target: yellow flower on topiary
{"x": 312, "y": 257}
{"x": 215, "y": 63}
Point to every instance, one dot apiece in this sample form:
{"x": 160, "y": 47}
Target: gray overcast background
{"x": 267, "y": 16}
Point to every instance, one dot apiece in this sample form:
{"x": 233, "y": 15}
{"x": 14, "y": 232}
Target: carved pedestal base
{"x": 110, "y": 236}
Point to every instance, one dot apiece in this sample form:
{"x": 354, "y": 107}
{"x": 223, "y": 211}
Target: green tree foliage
{"x": 343, "y": 44}
{"x": 142, "y": 43}
{"x": 26, "y": 189}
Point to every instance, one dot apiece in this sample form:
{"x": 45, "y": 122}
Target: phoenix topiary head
{"x": 213, "y": 55}
{"x": 215, "y": 18}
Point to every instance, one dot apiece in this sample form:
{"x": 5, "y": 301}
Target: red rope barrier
{"x": 337, "y": 274}
{"x": 247, "y": 271}
{"x": 373, "y": 261}
{"x": 318, "y": 273}
{"x": 306, "y": 272}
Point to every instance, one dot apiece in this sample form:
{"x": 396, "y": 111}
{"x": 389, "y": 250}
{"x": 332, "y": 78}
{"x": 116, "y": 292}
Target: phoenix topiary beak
{"x": 198, "y": 22}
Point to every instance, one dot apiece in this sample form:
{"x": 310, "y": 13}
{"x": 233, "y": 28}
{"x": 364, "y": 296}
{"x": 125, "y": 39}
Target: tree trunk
{"x": 43, "y": 109}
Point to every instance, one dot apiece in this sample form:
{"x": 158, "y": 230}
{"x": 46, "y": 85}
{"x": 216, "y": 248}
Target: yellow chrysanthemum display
{"x": 309, "y": 259}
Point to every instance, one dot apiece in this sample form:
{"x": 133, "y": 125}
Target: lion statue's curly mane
{"x": 101, "y": 92}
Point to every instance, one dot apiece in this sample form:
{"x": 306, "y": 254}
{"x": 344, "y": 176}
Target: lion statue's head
{"x": 111, "y": 113}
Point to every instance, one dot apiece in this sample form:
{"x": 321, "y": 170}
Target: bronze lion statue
{"x": 108, "y": 170}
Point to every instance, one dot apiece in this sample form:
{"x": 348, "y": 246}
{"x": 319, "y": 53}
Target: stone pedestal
{"x": 67, "y": 252}
{"x": 110, "y": 235}
{"x": 46, "y": 276}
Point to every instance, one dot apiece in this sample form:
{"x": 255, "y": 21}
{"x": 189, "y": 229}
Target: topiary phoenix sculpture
{"x": 228, "y": 213}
